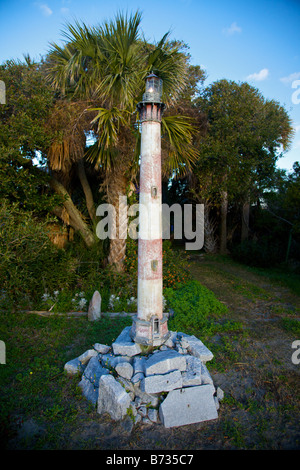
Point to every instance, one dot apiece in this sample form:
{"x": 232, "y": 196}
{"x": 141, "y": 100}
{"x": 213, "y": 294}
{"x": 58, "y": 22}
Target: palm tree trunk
{"x": 116, "y": 195}
{"x": 75, "y": 217}
{"x": 86, "y": 189}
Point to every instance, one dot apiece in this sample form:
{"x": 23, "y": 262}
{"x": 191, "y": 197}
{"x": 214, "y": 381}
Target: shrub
{"x": 194, "y": 305}
{"x": 175, "y": 266}
{"x": 29, "y": 264}
{"x": 263, "y": 253}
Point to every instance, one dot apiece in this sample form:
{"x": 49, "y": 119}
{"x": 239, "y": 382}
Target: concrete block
{"x": 124, "y": 369}
{"x": 165, "y": 361}
{"x": 90, "y": 379}
{"x": 101, "y": 348}
{"x": 86, "y": 356}
{"x": 124, "y": 345}
{"x": 206, "y": 377}
{"x": 162, "y": 383}
{"x": 113, "y": 398}
{"x": 109, "y": 360}
{"x": 192, "y": 375}
{"x": 138, "y": 364}
{"x": 196, "y": 347}
{"x": 188, "y": 405}
{"x": 74, "y": 366}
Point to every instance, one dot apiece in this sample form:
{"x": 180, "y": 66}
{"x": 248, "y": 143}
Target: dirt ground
{"x": 254, "y": 368}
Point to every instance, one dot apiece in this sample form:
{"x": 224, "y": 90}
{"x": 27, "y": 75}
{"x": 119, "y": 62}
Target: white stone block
{"x": 162, "y": 383}
{"x": 137, "y": 377}
{"x": 188, "y": 405}
{"x": 113, "y": 398}
{"x": 109, "y": 360}
{"x": 171, "y": 340}
{"x": 165, "y": 361}
{"x": 196, "y": 347}
{"x": 153, "y": 415}
{"x": 74, "y": 366}
{"x": 192, "y": 375}
{"x": 86, "y": 356}
{"x": 90, "y": 379}
{"x": 124, "y": 369}
{"x": 145, "y": 398}
{"x": 220, "y": 394}
{"x": 124, "y": 344}
{"x": 101, "y": 348}
{"x": 138, "y": 364}
{"x": 206, "y": 377}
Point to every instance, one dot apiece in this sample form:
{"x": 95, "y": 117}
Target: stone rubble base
{"x": 171, "y": 385}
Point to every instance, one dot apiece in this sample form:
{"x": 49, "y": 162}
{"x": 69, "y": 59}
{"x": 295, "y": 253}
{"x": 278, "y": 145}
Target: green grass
{"x": 34, "y": 385}
{"x": 291, "y": 325}
{"x": 281, "y": 276}
{"x": 33, "y": 382}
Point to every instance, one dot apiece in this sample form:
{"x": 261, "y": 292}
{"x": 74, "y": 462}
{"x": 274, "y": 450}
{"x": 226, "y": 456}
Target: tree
{"x": 106, "y": 66}
{"x": 35, "y": 125}
{"x": 67, "y": 124}
{"x": 245, "y": 137}
{"x": 23, "y": 137}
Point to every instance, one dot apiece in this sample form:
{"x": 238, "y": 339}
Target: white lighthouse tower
{"x": 150, "y": 325}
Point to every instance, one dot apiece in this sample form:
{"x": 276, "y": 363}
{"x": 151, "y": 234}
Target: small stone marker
{"x": 94, "y": 311}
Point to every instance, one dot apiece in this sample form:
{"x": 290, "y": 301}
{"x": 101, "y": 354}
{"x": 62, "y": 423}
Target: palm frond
{"x": 169, "y": 63}
{"x": 103, "y": 158}
{"x": 178, "y": 132}
{"x": 109, "y": 122}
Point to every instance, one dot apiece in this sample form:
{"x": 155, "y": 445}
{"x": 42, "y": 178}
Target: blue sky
{"x": 253, "y": 41}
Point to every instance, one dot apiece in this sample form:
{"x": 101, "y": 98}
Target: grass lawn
{"x": 43, "y": 408}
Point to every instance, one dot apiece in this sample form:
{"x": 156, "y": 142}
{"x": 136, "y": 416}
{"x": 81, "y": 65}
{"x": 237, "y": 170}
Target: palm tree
{"x": 107, "y": 66}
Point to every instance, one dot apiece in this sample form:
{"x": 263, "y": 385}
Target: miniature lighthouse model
{"x": 150, "y": 327}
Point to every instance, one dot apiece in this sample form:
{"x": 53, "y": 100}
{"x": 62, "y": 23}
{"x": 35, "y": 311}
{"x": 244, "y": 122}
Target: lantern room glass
{"x": 154, "y": 86}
